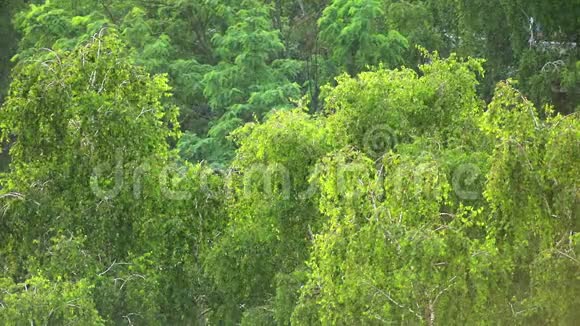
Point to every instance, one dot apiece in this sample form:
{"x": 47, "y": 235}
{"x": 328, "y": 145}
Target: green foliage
{"x": 410, "y": 189}
{"x": 537, "y": 224}
{"x": 551, "y": 77}
{"x": 90, "y": 149}
{"x": 41, "y": 301}
{"x": 249, "y": 81}
{"x": 71, "y": 117}
{"x": 416, "y": 22}
{"x": 404, "y": 240}
{"x": 50, "y": 25}
{"x": 379, "y": 109}
{"x": 356, "y": 35}
{"x": 272, "y": 210}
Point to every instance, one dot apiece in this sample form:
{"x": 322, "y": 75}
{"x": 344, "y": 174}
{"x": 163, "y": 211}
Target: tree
{"x": 248, "y": 82}
{"x": 92, "y": 161}
{"x": 519, "y": 39}
{"x": 356, "y": 35}
{"x": 272, "y": 214}
{"x": 537, "y": 226}
{"x": 440, "y": 216}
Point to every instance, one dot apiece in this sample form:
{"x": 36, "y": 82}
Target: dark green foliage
{"x": 356, "y": 35}
{"x": 248, "y": 82}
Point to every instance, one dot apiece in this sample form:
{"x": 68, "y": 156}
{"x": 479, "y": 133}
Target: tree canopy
{"x": 256, "y": 162}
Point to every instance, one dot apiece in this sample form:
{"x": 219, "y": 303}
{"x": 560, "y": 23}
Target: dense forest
{"x": 289, "y": 162}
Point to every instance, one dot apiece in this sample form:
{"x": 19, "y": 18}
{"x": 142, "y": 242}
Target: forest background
{"x": 289, "y": 162}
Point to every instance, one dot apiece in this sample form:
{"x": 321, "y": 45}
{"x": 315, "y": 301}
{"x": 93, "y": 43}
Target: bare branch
{"x": 110, "y": 267}
{"x": 13, "y": 195}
